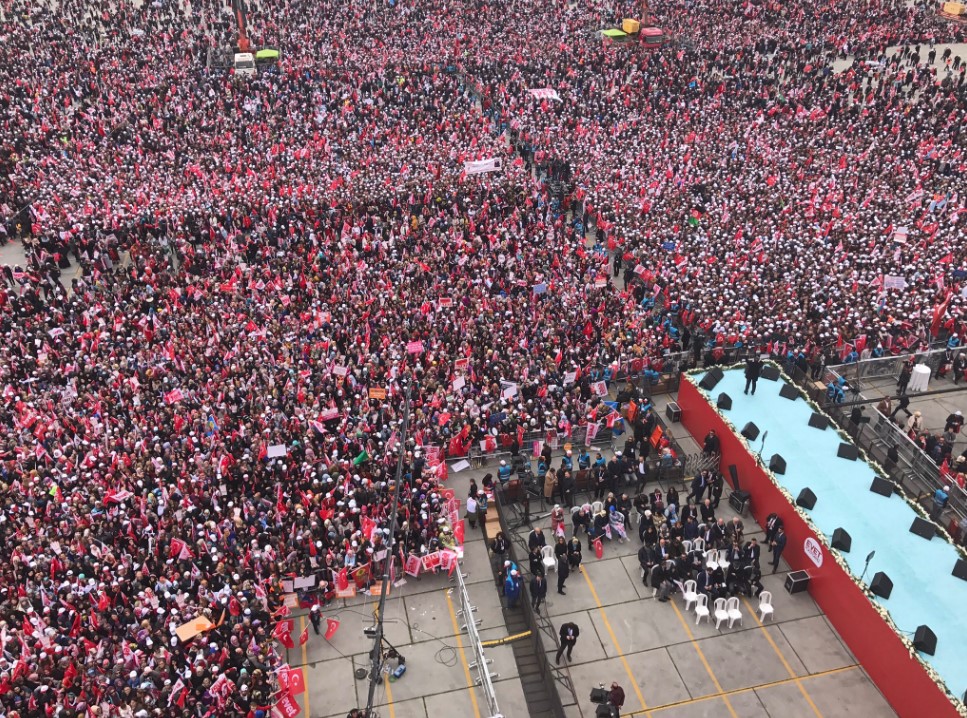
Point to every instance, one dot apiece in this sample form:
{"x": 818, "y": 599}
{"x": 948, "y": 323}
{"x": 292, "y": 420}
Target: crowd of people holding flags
{"x": 213, "y": 407}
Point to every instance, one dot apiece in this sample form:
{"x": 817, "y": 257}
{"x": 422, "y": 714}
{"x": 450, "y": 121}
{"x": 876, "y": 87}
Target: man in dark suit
{"x": 773, "y": 524}
{"x": 563, "y": 571}
{"x": 778, "y": 545}
{"x": 752, "y": 551}
{"x": 647, "y": 559}
{"x": 701, "y": 581}
{"x": 753, "y": 367}
{"x": 538, "y": 591}
{"x": 569, "y": 636}
{"x": 536, "y": 539}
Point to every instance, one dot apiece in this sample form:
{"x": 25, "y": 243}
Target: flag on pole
{"x": 332, "y": 625}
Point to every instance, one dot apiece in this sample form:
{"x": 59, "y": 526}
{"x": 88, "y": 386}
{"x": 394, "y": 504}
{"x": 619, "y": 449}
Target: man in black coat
{"x": 538, "y": 591}
{"x": 647, "y": 558}
{"x": 753, "y": 367}
{"x": 773, "y": 524}
{"x": 563, "y": 571}
{"x": 569, "y": 636}
{"x": 778, "y": 545}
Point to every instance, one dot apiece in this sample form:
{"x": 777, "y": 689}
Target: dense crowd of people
{"x": 199, "y": 415}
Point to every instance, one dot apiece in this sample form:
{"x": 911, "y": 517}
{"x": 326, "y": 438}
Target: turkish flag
{"x": 283, "y": 633}
{"x": 304, "y": 636}
{"x": 332, "y": 625}
{"x": 234, "y": 607}
{"x": 342, "y": 579}
{"x": 599, "y": 548}
{"x": 294, "y": 681}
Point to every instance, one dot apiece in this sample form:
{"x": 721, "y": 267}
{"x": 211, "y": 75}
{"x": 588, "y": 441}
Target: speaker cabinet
{"x": 789, "y": 392}
{"x": 769, "y": 372}
{"x": 734, "y": 475}
{"x": 777, "y": 464}
{"x": 882, "y": 487}
{"x": 797, "y": 581}
{"x": 848, "y": 451}
{"x": 922, "y": 528}
{"x": 881, "y": 585}
{"x": 712, "y": 377}
{"x": 673, "y": 412}
{"x": 925, "y": 641}
{"x": 842, "y": 541}
{"x": 750, "y": 431}
{"x": 724, "y": 402}
{"x": 960, "y": 569}
{"x": 818, "y": 421}
{"x": 806, "y": 499}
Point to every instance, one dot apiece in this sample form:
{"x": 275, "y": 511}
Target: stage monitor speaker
{"x": 848, "y": 451}
{"x": 769, "y": 372}
{"x": 777, "y": 464}
{"x": 599, "y": 695}
{"x": 923, "y": 528}
{"x": 818, "y": 421}
{"x": 842, "y": 541}
{"x": 797, "y": 581}
{"x": 960, "y": 569}
{"x": 882, "y": 487}
{"x": 712, "y": 377}
{"x": 924, "y": 640}
{"x": 789, "y": 392}
{"x": 724, "y": 402}
{"x": 806, "y": 499}
{"x": 750, "y": 431}
{"x": 881, "y": 585}
{"x": 673, "y": 412}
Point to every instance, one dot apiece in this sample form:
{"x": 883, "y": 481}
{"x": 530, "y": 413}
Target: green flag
{"x": 363, "y": 456}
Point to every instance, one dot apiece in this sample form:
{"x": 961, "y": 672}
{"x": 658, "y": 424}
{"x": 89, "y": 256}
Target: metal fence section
{"x": 913, "y": 471}
{"x": 480, "y": 661}
{"x": 885, "y": 367}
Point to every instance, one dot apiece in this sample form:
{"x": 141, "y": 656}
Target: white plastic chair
{"x": 721, "y": 615}
{"x": 765, "y": 604}
{"x": 688, "y": 545}
{"x": 723, "y": 561}
{"x": 638, "y": 517}
{"x": 732, "y": 608}
{"x": 597, "y": 507}
{"x": 547, "y": 558}
{"x": 690, "y": 594}
{"x": 698, "y": 545}
{"x": 701, "y": 608}
{"x": 574, "y": 511}
{"x": 712, "y": 559}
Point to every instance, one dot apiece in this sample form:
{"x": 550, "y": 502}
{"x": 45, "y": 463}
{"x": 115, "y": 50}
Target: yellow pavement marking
{"x": 739, "y": 691}
{"x": 701, "y": 655}
{"x": 614, "y": 640}
{"x": 305, "y": 675}
{"x": 389, "y": 698}
{"x": 782, "y": 658}
{"x": 463, "y": 656}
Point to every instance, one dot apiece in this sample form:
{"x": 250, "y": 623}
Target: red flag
{"x": 69, "y": 674}
{"x": 304, "y": 636}
{"x": 332, "y": 625}
{"x": 234, "y": 607}
{"x": 76, "y": 626}
{"x": 599, "y": 548}
{"x": 287, "y": 706}
{"x": 342, "y": 579}
{"x": 283, "y": 633}
{"x": 293, "y": 680}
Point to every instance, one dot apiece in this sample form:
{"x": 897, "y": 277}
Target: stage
{"x": 924, "y": 591}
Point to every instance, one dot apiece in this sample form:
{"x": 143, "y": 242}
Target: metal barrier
{"x": 480, "y": 661}
{"x": 538, "y": 622}
{"x": 913, "y": 471}
{"x": 886, "y": 367}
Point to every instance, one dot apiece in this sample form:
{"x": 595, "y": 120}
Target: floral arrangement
{"x": 836, "y": 555}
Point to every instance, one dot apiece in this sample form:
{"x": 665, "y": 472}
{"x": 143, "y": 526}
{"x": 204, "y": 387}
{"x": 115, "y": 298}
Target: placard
{"x": 275, "y": 451}
{"x": 377, "y": 393}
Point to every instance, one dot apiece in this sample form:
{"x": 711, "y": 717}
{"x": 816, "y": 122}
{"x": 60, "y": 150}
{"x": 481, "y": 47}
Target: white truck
{"x": 245, "y": 64}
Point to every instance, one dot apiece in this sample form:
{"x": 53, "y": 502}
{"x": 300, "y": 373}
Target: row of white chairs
{"x": 723, "y": 609}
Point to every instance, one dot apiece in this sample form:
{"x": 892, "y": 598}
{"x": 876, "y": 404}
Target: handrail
{"x": 484, "y": 677}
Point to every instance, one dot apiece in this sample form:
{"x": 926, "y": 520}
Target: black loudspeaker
{"x": 769, "y": 372}
{"x": 673, "y": 412}
{"x": 750, "y": 431}
{"x": 788, "y": 392}
{"x": 818, "y": 421}
{"x": 777, "y": 464}
{"x": 881, "y": 585}
{"x": 734, "y": 475}
{"x": 599, "y": 695}
{"x": 806, "y": 499}
{"x": 924, "y": 640}
{"x": 960, "y": 569}
{"x": 724, "y": 402}
{"x": 842, "y": 541}
{"x": 797, "y": 581}
{"x": 848, "y": 451}
{"x": 881, "y": 487}
{"x": 923, "y": 528}
{"x": 712, "y": 377}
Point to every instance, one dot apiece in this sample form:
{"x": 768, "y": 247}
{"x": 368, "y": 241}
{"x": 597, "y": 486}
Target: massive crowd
{"x": 258, "y": 254}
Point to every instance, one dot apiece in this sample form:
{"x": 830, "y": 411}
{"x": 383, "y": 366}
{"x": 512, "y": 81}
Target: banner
{"x": 891, "y": 282}
{"x": 292, "y": 680}
{"x": 287, "y": 706}
{"x": 599, "y": 388}
{"x": 544, "y": 93}
{"x": 592, "y": 432}
{"x": 414, "y": 347}
{"x": 412, "y": 566}
{"x": 481, "y": 166}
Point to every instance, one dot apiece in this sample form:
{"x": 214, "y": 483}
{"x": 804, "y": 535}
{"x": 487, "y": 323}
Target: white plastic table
{"x": 919, "y": 378}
